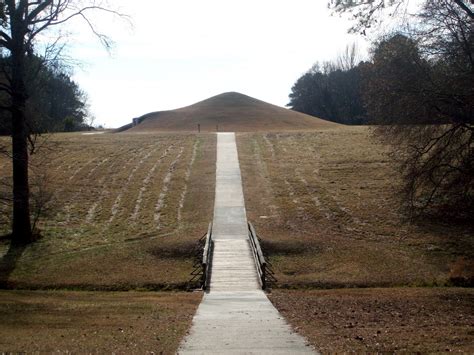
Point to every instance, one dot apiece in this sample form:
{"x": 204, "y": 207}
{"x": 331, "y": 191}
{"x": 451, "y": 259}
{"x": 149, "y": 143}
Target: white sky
{"x": 183, "y": 51}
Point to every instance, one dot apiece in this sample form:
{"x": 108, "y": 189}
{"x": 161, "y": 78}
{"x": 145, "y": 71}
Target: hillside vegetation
{"x": 326, "y": 207}
{"x": 229, "y": 112}
{"x": 126, "y": 211}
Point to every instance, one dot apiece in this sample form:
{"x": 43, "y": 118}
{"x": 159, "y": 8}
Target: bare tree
{"x": 22, "y": 21}
{"x": 419, "y": 89}
{"x": 368, "y": 13}
{"x": 349, "y": 59}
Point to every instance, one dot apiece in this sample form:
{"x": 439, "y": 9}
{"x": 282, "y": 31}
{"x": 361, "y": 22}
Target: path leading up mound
{"x": 229, "y": 112}
{"x": 236, "y": 317}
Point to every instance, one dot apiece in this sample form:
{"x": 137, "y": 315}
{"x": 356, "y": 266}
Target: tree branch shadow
{"x": 9, "y": 261}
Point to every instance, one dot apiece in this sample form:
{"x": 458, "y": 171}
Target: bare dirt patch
{"x": 405, "y": 320}
{"x": 94, "y": 322}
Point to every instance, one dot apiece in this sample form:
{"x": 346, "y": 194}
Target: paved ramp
{"x": 236, "y": 317}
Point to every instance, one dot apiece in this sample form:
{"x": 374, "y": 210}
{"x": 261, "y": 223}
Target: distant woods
{"x": 406, "y": 80}
{"x": 55, "y": 102}
{"x": 417, "y": 87}
{"x": 332, "y": 90}
{"x": 34, "y": 95}
{"x": 421, "y": 76}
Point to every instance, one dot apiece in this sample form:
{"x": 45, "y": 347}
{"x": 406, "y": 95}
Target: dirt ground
{"x": 401, "y": 320}
{"x": 94, "y": 322}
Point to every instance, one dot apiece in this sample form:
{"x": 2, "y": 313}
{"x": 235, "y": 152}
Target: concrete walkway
{"x": 236, "y": 317}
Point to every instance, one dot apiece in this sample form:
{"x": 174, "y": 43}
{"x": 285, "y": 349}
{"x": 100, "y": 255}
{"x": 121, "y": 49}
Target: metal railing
{"x": 203, "y": 259}
{"x": 264, "y": 268}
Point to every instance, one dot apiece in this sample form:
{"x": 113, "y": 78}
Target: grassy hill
{"x": 229, "y": 112}
{"x": 325, "y": 205}
{"x": 126, "y": 211}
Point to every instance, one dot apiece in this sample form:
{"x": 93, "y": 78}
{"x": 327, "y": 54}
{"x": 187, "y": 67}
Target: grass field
{"x": 325, "y": 205}
{"x": 390, "y": 320}
{"x": 126, "y": 211}
{"x": 94, "y": 322}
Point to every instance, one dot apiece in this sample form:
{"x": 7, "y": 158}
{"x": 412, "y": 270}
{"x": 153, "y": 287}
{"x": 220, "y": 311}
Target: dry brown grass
{"x": 94, "y": 322}
{"x": 325, "y": 204}
{"x": 126, "y": 210}
{"x": 403, "y": 320}
{"x": 231, "y": 112}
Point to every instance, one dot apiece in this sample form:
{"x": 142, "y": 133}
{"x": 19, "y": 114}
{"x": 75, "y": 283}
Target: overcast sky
{"x": 183, "y": 51}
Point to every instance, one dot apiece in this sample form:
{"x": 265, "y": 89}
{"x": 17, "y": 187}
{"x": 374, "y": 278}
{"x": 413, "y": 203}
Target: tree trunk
{"x": 21, "y": 225}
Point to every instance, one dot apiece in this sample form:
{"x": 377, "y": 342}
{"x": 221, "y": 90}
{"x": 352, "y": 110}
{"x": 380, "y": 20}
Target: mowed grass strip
{"x": 113, "y": 220}
{"x": 402, "y": 320}
{"x": 94, "y": 322}
{"x": 325, "y": 204}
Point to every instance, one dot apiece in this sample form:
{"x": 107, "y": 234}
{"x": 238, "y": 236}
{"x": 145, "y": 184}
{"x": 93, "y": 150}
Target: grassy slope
{"x": 94, "y": 322}
{"x": 116, "y": 220}
{"x": 323, "y": 201}
{"x": 325, "y": 206}
{"x": 232, "y": 112}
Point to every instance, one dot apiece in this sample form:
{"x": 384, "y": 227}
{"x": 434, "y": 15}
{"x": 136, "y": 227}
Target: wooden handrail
{"x": 257, "y": 243}
{"x": 260, "y": 262}
{"x": 207, "y": 258}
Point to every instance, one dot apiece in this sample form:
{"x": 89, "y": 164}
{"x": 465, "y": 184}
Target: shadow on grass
{"x": 175, "y": 250}
{"x": 9, "y": 261}
{"x": 286, "y": 247}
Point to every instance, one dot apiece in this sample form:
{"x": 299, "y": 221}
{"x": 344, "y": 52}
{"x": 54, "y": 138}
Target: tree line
{"x": 55, "y": 102}
{"x": 35, "y": 95}
{"x": 417, "y": 87}
{"x": 429, "y": 69}
{"x": 332, "y": 90}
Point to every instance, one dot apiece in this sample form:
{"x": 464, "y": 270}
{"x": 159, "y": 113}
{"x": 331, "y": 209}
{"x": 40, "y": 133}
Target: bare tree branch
{"x": 465, "y": 8}
{"x": 25, "y": 20}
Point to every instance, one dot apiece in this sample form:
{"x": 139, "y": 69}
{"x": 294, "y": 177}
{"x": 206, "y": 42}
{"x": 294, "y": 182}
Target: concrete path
{"x": 236, "y": 317}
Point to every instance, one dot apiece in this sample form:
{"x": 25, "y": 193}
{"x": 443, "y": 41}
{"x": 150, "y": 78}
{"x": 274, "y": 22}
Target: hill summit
{"x": 231, "y": 112}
